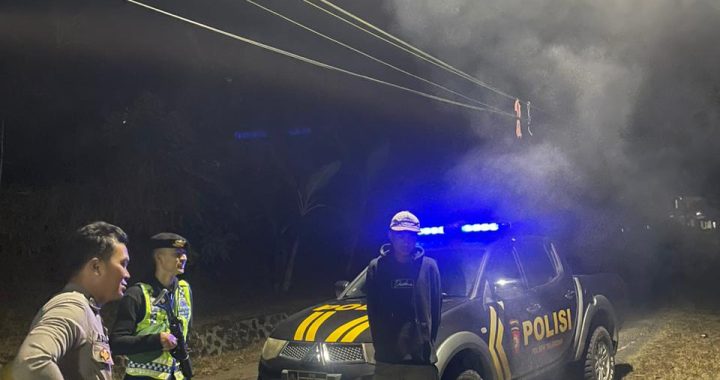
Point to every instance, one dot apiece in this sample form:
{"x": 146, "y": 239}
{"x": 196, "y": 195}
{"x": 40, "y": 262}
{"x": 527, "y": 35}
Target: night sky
{"x": 630, "y": 93}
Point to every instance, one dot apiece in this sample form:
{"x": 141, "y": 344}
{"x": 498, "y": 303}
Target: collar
{"x": 73, "y": 287}
{"x": 386, "y": 250}
{"x": 158, "y": 287}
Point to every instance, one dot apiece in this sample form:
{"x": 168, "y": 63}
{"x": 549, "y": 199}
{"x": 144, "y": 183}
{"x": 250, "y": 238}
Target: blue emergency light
{"x": 480, "y": 227}
{"x": 432, "y": 231}
{"x": 468, "y": 228}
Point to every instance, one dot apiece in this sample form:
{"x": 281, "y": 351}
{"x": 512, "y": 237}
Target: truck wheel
{"x": 469, "y": 374}
{"x": 599, "y": 358}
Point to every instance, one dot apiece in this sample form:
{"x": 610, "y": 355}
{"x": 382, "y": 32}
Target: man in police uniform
{"x": 142, "y": 328}
{"x": 403, "y": 301}
{"x": 67, "y": 339}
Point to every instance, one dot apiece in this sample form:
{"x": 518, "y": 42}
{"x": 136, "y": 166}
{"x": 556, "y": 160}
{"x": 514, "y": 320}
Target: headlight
{"x": 272, "y": 347}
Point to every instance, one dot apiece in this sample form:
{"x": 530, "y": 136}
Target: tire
{"x": 469, "y": 374}
{"x": 600, "y": 356}
{"x": 463, "y": 368}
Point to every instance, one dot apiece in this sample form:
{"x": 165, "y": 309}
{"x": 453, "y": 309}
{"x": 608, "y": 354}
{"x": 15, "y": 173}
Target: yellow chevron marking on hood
{"x": 312, "y": 331}
{"x": 300, "y": 332}
{"x": 346, "y": 307}
{"x": 335, "y": 335}
{"x": 353, "y": 334}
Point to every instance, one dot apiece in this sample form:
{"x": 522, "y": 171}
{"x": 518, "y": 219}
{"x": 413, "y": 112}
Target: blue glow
{"x": 432, "y": 231}
{"x": 481, "y": 227}
{"x": 250, "y": 135}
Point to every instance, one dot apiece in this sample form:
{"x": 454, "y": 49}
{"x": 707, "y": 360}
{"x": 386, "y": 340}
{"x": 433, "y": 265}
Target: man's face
{"x": 403, "y": 242}
{"x": 113, "y": 275}
{"x": 172, "y": 260}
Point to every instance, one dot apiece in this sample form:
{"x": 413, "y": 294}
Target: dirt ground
{"x": 672, "y": 344}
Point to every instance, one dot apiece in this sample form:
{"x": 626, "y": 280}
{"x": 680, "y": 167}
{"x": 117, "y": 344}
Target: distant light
{"x": 699, "y": 213}
{"x": 432, "y": 231}
{"x": 299, "y": 131}
{"x": 481, "y": 227}
{"x": 250, "y": 135}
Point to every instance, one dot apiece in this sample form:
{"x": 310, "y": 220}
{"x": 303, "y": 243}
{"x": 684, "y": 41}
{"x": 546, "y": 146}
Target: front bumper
{"x": 273, "y": 369}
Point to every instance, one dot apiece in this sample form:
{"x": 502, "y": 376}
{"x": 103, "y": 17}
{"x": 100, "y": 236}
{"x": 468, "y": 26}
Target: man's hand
{"x": 168, "y": 341}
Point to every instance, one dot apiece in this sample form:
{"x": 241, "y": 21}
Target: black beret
{"x": 168, "y": 240}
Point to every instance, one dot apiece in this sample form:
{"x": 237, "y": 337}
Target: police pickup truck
{"x": 511, "y": 310}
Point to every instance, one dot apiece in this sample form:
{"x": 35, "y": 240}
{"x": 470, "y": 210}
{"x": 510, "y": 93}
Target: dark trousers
{"x": 389, "y": 371}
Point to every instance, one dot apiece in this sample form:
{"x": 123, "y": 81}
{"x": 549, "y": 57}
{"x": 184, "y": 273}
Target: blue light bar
{"x": 432, "y": 231}
{"x": 481, "y": 227}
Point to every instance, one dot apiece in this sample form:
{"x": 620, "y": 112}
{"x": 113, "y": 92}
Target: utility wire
{"x": 278, "y": 14}
{"x": 409, "y": 48}
{"x": 309, "y": 60}
{"x": 417, "y": 50}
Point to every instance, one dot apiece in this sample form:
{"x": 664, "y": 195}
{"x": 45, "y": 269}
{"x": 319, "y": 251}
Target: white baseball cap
{"x": 405, "y": 221}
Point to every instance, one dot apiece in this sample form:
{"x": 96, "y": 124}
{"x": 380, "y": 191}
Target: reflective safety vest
{"x": 160, "y": 364}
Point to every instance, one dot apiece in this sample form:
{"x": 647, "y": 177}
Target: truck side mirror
{"x": 340, "y": 287}
{"x": 506, "y": 288}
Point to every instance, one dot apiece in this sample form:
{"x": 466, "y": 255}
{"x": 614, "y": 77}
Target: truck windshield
{"x": 458, "y": 267}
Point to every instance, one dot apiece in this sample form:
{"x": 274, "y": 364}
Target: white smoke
{"x": 588, "y": 63}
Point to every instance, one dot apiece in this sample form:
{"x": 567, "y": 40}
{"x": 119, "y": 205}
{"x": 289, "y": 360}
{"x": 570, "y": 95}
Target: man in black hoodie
{"x": 404, "y": 300}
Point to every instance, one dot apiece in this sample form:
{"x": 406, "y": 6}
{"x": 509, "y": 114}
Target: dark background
{"x": 112, "y": 112}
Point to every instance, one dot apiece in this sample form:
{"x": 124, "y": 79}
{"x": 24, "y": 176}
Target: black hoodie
{"x": 404, "y": 301}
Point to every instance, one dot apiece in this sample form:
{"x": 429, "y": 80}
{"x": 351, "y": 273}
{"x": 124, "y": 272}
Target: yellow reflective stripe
{"x": 491, "y": 344}
{"x": 353, "y": 334}
{"x": 300, "y": 332}
{"x": 335, "y": 335}
{"x": 147, "y": 295}
{"x": 316, "y": 325}
{"x": 501, "y": 350}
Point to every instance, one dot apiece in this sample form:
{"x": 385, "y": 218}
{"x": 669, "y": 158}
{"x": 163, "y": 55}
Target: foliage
{"x": 306, "y": 203}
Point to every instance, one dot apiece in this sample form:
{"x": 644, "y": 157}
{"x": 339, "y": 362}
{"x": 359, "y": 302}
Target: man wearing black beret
{"x": 144, "y": 330}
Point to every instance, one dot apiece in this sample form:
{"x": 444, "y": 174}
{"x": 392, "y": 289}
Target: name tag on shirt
{"x": 403, "y": 283}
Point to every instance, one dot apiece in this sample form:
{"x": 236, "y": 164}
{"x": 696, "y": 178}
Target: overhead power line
{"x": 407, "y": 47}
{"x": 334, "y": 40}
{"x": 415, "y": 50}
{"x": 308, "y": 60}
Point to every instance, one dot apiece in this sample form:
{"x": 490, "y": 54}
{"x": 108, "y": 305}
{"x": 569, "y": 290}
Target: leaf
{"x": 320, "y": 178}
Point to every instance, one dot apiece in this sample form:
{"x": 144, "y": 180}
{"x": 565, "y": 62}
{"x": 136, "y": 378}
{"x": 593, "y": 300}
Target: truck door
{"x": 554, "y": 290}
{"x": 508, "y": 303}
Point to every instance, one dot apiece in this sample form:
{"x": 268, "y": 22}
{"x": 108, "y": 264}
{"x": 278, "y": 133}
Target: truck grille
{"x": 345, "y": 353}
{"x": 295, "y": 350}
{"x": 336, "y": 353}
